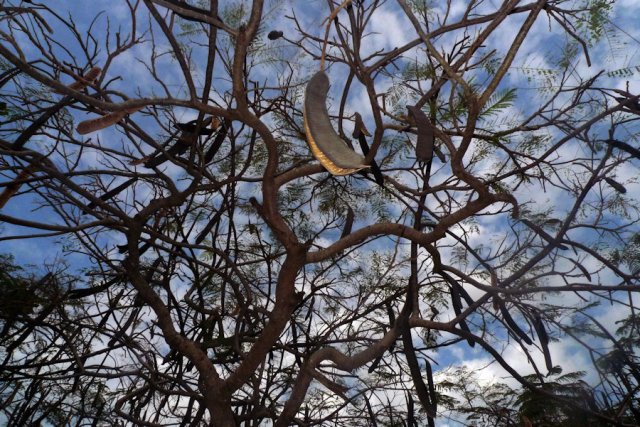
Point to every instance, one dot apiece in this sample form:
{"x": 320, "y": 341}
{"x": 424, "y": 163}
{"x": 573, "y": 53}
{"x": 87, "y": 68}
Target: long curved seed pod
{"x": 181, "y": 145}
{"x": 465, "y": 327}
{"x": 185, "y": 140}
{"x": 13, "y": 188}
{"x": 372, "y": 416}
{"x": 581, "y": 267}
{"x": 207, "y": 127}
{"x": 8, "y": 75}
{"x": 110, "y": 194}
{"x": 207, "y": 228}
{"x": 375, "y": 169}
{"x": 455, "y": 300}
{"x": 375, "y": 363}
{"x": 359, "y": 127}
{"x": 86, "y": 80}
{"x": 624, "y": 147}
{"x": 432, "y": 387}
{"x": 411, "y": 418}
{"x": 424, "y": 144}
{"x": 360, "y": 132}
{"x": 225, "y": 127}
{"x": 459, "y": 288}
{"x": 190, "y": 13}
{"x": 544, "y": 340}
{"x": 348, "y": 223}
{"x": 39, "y": 122}
{"x": 616, "y": 185}
{"x": 439, "y": 153}
{"x": 512, "y": 324}
{"x": 392, "y": 321}
{"x": 540, "y": 232}
{"x": 457, "y": 309}
{"x": 93, "y": 125}
{"x": 414, "y": 368}
{"x": 632, "y": 105}
{"x": 325, "y": 144}
{"x": 107, "y": 120}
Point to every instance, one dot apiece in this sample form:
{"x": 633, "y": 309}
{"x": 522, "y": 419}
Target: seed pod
{"x": 372, "y": 416}
{"x": 110, "y": 194}
{"x": 553, "y": 222}
{"x": 616, "y": 185}
{"x": 359, "y": 128}
{"x": 86, "y": 80}
{"x": 513, "y": 325}
{"x": 582, "y": 269}
{"x": 180, "y": 146}
{"x": 11, "y": 189}
{"x": 465, "y": 327}
{"x": 375, "y": 363}
{"x": 432, "y": 387}
{"x": 544, "y": 340}
{"x": 456, "y": 302}
{"x": 123, "y": 249}
{"x": 411, "y": 418}
{"x": 624, "y": 147}
{"x": 325, "y": 144}
{"x": 632, "y": 105}
{"x": 360, "y": 132}
{"x": 274, "y": 35}
{"x": 543, "y": 234}
{"x": 225, "y": 127}
{"x": 348, "y": 223}
{"x": 207, "y": 228}
{"x": 207, "y": 127}
{"x": 93, "y": 125}
{"x": 24, "y": 137}
{"x": 496, "y": 301}
{"x": 414, "y": 368}
{"x": 439, "y": 153}
{"x": 459, "y": 288}
{"x": 107, "y": 120}
{"x": 424, "y": 144}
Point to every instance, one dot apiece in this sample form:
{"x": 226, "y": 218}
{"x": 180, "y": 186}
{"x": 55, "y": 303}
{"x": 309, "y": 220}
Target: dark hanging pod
{"x": 425, "y": 142}
{"x": 207, "y": 127}
{"x": 274, "y": 35}
{"x": 325, "y": 144}
{"x": 360, "y": 132}
{"x": 616, "y": 185}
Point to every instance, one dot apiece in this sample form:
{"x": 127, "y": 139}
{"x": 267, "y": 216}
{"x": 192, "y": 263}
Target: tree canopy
{"x": 197, "y": 234}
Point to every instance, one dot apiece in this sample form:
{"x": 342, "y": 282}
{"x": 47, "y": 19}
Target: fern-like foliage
{"x": 499, "y": 101}
{"x": 624, "y": 72}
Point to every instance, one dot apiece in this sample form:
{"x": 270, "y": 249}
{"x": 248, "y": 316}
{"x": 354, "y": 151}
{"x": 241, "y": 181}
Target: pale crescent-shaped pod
{"x": 98, "y": 123}
{"x": 107, "y": 120}
{"x": 325, "y": 144}
{"x": 86, "y": 80}
{"x": 11, "y": 189}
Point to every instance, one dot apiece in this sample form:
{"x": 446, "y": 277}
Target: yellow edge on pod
{"x": 320, "y": 156}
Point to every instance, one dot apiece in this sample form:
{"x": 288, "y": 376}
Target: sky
{"x": 388, "y": 29}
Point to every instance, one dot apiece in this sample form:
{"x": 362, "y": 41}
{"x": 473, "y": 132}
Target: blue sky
{"x": 615, "y": 51}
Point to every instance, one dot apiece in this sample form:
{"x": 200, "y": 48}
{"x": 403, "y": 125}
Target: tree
{"x": 207, "y": 270}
